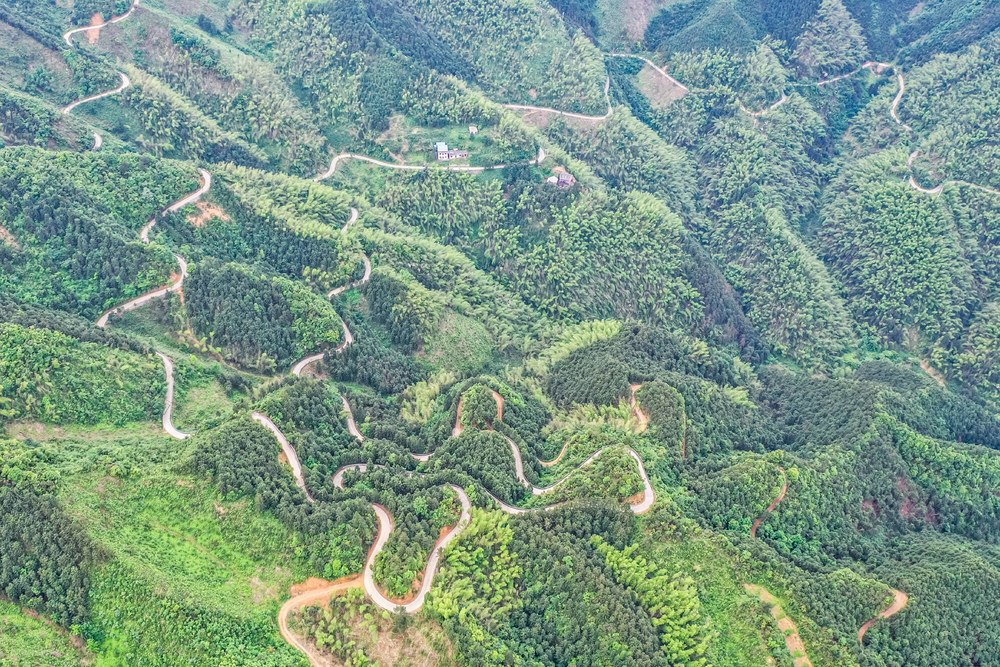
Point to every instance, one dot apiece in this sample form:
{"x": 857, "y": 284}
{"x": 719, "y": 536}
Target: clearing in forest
{"x": 792, "y": 639}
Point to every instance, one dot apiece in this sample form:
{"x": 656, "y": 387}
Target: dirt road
{"x": 900, "y": 600}
{"x": 570, "y": 114}
{"x": 793, "y": 642}
{"x": 386, "y": 525}
{"x": 317, "y": 596}
{"x": 68, "y": 36}
{"x": 290, "y": 453}
{"x": 168, "y": 404}
{"x": 773, "y": 506}
{"x": 126, "y": 82}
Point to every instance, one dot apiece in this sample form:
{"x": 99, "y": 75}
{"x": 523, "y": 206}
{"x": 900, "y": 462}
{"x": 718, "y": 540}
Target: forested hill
{"x": 581, "y": 332}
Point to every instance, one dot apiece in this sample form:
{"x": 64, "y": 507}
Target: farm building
{"x": 444, "y": 153}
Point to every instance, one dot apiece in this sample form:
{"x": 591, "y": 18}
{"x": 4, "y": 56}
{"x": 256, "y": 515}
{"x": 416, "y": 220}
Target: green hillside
{"x": 682, "y": 351}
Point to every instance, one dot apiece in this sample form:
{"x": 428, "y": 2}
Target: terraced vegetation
{"x": 277, "y": 387}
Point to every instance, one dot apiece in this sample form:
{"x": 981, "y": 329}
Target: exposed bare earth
{"x": 773, "y": 505}
{"x": 899, "y": 600}
{"x": 636, "y": 410}
{"x": 933, "y": 372}
{"x": 311, "y": 592}
{"x": 793, "y": 642}
{"x": 8, "y": 238}
{"x": 207, "y": 211}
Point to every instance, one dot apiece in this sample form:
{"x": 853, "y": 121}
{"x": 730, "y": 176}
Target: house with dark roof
{"x": 444, "y": 153}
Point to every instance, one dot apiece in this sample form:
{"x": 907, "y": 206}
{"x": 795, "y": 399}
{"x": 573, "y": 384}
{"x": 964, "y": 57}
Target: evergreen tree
{"x": 831, "y": 42}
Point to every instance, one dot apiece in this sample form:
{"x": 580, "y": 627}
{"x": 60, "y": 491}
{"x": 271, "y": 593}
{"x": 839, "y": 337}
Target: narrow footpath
{"x": 774, "y": 504}
{"x": 793, "y": 642}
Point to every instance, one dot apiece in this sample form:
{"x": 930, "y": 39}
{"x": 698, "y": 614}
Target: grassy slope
{"x": 26, "y": 639}
{"x": 186, "y": 551}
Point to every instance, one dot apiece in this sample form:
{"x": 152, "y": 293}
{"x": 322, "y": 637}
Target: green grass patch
{"x": 223, "y": 555}
{"x": 458, "y": 344}
{"x": 26, "y": 639}
{"x": 734, "y": 616}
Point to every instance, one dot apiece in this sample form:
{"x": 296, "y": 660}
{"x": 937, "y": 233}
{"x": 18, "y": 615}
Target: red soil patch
{"x": 459, "y": 428}
{"x": 637, "y": 498}
{"x": 207, "y": 211}
{"x": 314, "y": 584}
{"x": 934, "y": 373}
{"x": 641, "y": 416}
{"x": 909, "y": 509}
{"x": 96, "y": 21}
{"x": 7, "y": 237}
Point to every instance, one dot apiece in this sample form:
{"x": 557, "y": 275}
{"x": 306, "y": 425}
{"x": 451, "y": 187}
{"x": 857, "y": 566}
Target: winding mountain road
{"x": 415, "y": 167}
{"x": 570, "y": 114}
{"x": 765, "y": 110}
{"x": 168, "y": 404}
{"x": 940, "y": 187}
{"x": 357, "y": 283}
{"x": 168, "y": 365}
{"x": 386, "y": 521}
{"x": 304, "y": 363}
{"x": 126, "y": 82}
{"x": 385, "y": 527}
{"x": 350, "y": 221}
{"x": 286, "y": 447}
{"x": 900, "y": 600}
{"x": 774, "y": 504}
{"x": 651, "y": 64}
{"x": 115, "y": 19}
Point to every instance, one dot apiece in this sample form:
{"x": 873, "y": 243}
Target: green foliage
{"x": 45, "y": 558}
{"x": 479, "y": 408}
{"x": 476, "y": 585}
{"x": 732, "y": 498}
{"x": 170, "y": 125}
{"x": 241, "y": 457}
{"x": 34, "y": 641}
{"x": 957, "y": 576}
{"x": 897, "y": 256}
{"x": 25, "y": 121}
{"x": 831, "y": 42}
{"x": 259, "y": 321}
{"x": 600, "y": 373}
{"x": 53, "y": 378}
{"x": 483, "y": 455}
{"x": 787, "y": 292}
{"x": 664, "y": 406}
{"x": 842, "y": 600}
{"x": 75, "y": 220}
{"x": 669, "y": 598}
{"x": 454, "y": 278}
{"x": 371, "y": 359}
{"x": 351, "y": 628}
{"x": 135, "y": 622}
{"x": 631, "y": 247}
{"x": 418, "y": 522}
